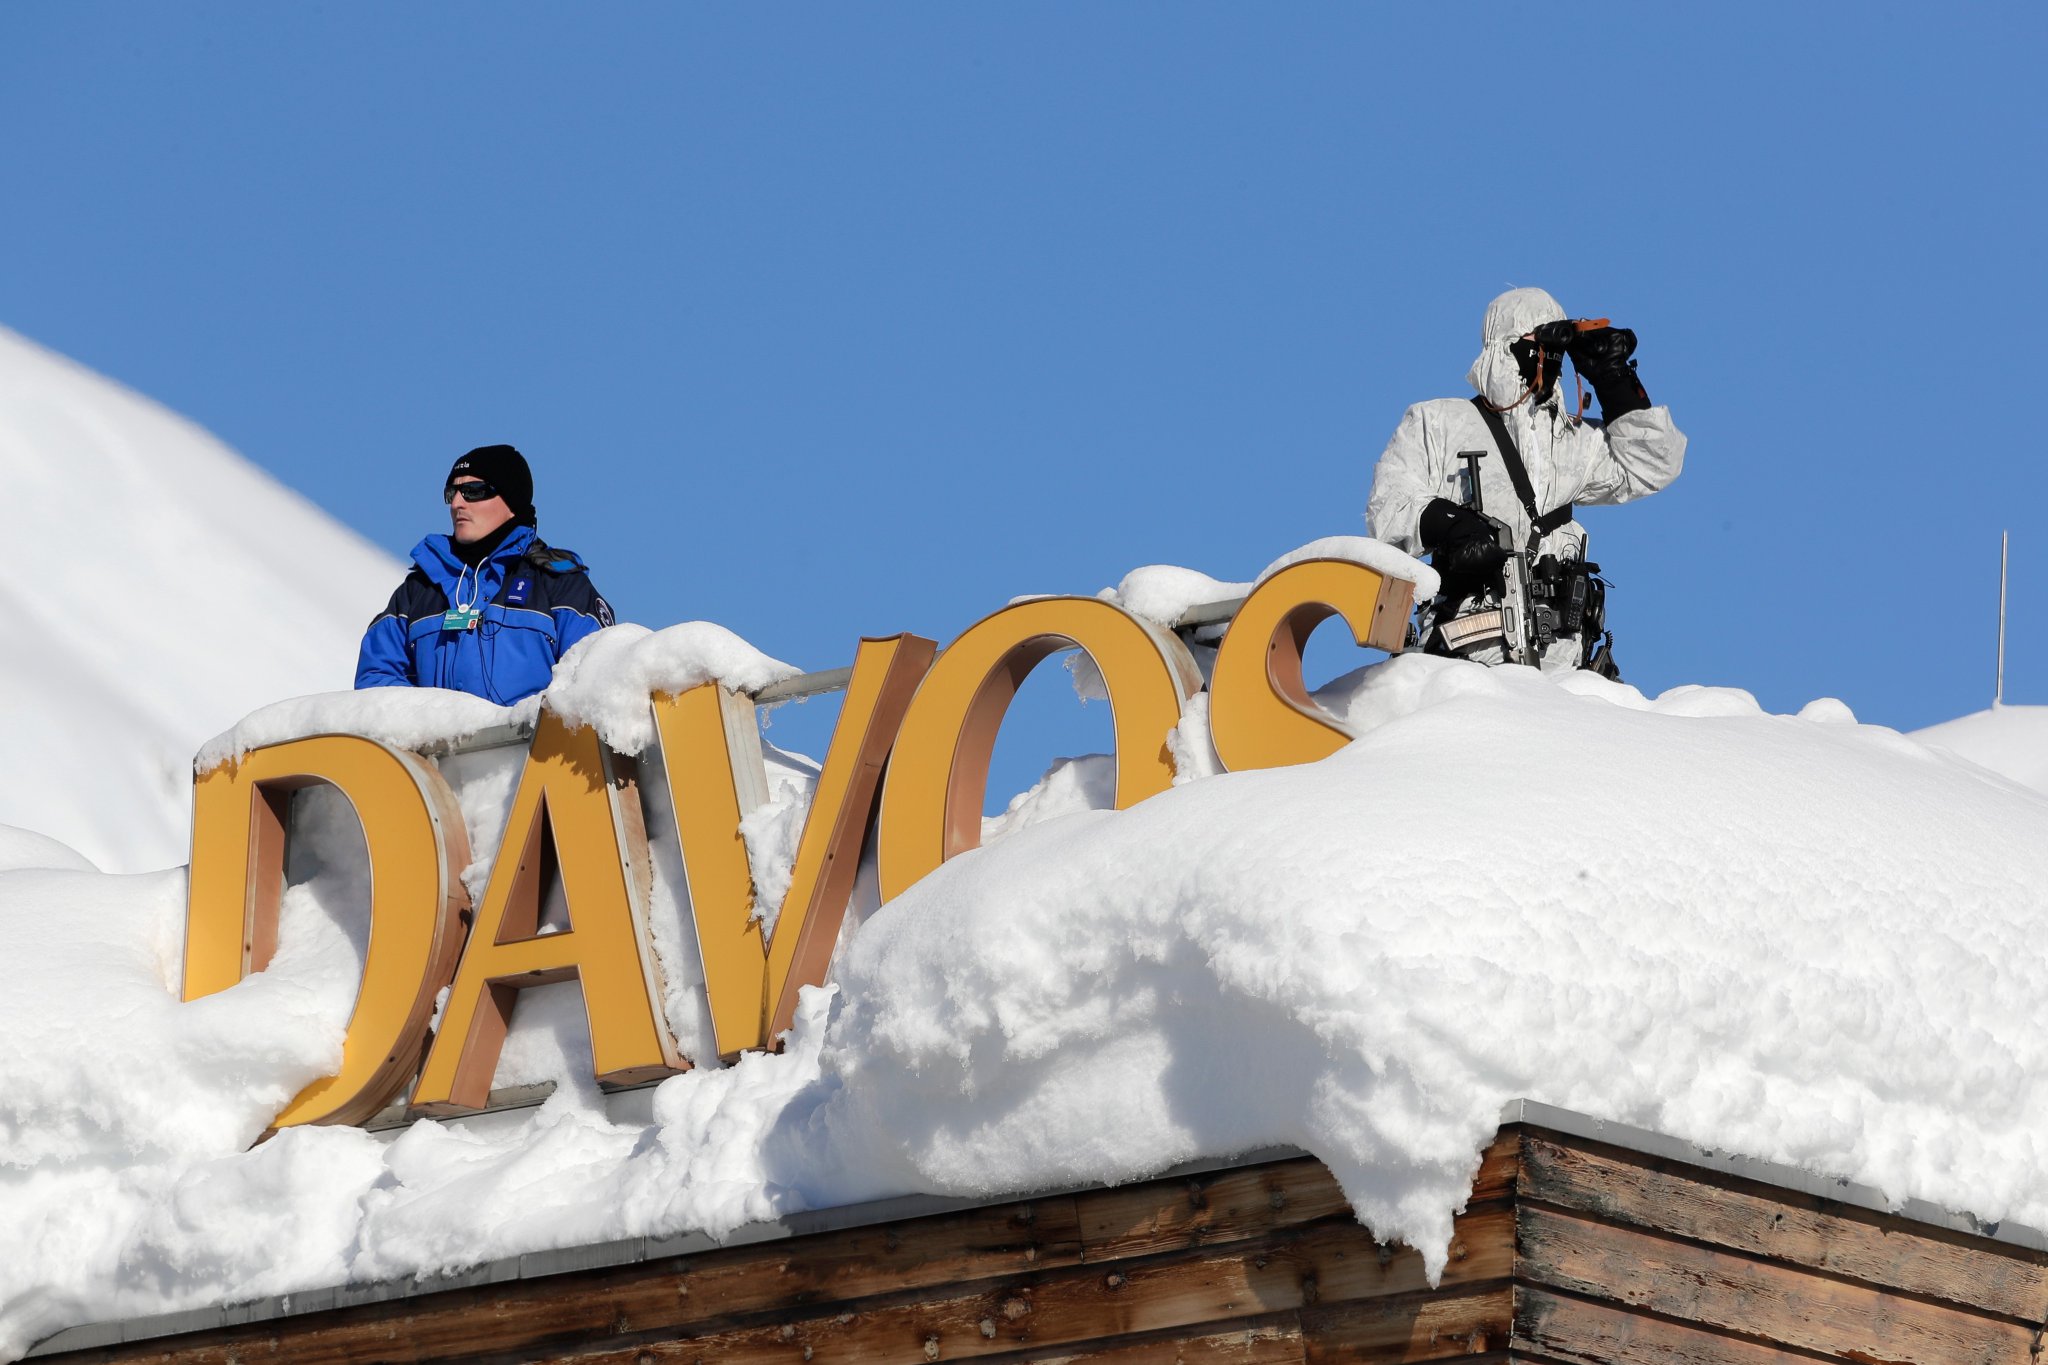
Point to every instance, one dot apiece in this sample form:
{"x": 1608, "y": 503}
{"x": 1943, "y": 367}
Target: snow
{"x": 23, "y": 848}
{"x": 403, "y": 717}
{"x": 773, "y": 829}
{"x": 1163, "y": 593}
{"x": 1373, "y": 554}
{"x": 605, "y": 681}
{"x": 2011, "y": 741}
{"x": 197, "y": 589}
{"x": 1798, "y": 937}
{"x": 1366, "y": 957}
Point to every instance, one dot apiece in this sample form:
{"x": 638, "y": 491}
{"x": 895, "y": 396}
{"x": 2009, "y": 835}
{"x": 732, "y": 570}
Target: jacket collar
{"x": 437, "y": 559}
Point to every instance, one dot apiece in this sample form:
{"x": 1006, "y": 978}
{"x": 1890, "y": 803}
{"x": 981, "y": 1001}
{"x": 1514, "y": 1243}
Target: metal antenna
{"x": 2004, "y": 547}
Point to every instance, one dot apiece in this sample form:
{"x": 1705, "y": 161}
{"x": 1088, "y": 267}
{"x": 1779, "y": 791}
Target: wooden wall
{"x": 1625, "y": 1258}
{"x": 1571, "y": 1251}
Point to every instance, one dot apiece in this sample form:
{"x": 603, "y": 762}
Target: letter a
{"x": 578, "y": 810}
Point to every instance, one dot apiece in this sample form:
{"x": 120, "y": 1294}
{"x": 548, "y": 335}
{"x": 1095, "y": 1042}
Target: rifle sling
{"x": 1518, "y": 474}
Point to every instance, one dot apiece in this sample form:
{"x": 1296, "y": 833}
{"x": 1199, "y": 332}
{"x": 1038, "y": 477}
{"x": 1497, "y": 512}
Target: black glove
{"x": 1540, "y": 356}
{"x": 1464, "y": 546}
{"x": 1600, "y": 348}
{"x": 1604, "y": 357}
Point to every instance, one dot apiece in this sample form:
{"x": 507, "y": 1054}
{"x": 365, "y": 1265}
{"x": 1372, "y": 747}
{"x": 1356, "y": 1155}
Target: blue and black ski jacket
{"x": 533, "y": 603}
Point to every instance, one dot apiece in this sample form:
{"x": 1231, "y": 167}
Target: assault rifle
{"x": 1518, "y": 625}
{"x": 1539, "y": 601}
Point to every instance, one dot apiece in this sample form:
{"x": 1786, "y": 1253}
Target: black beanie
{"x": 503, "y": 468}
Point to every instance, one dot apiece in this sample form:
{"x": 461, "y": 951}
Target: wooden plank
{"x": 1227, "y": 1205}
{"x": 1190, "y": 1294}
{"x": 1757, "y": 1298}
{"x": 1207, "y": 1210}
{"x": 891, "y": 1258}
{"x": 1500, "y": 1166}
{"x": 1324, "y": 1263}
{"x": 673, "y": 1294}
{"x": 1446, "y": 1324}
{"x": 1572, "y": 1331}
{"x": 1271, "y": 1340}
{"x": 1786, "y": 1226}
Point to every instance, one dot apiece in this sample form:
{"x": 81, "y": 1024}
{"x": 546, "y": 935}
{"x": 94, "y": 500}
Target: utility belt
{"x": 1567, "y": 598}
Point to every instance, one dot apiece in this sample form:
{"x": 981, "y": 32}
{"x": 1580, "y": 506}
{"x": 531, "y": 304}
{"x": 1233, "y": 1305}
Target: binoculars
{"x": 1557, "y": 337}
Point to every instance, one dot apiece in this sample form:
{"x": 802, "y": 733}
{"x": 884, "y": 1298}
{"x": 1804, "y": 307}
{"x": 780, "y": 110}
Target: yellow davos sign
{"x": 915, "y": 735}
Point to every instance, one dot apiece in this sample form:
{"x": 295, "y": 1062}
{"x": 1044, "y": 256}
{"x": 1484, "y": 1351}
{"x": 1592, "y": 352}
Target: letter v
{"x": 711, "y": 749}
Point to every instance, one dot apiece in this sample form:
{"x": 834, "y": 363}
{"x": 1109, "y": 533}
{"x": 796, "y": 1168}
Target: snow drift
{"x": 156, "y": 566}
{"x": 1799, "y": 937}
{"x": 2011, "y": 741}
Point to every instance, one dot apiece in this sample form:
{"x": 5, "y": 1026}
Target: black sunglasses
{"x": 474, "y": 490}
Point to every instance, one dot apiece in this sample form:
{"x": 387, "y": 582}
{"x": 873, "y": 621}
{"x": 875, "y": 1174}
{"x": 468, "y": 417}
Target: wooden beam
{"x": 1215, "y": 1208}
{"x": 1446, "y": 1324}
{"x": 1190, "y": 1295}
{"x": 1192, "y": 1260}
{"x": 1781, "y": 1225}
{"x": 682, "y": 1294}
{"x": 1271, "y": 1340}
{"x": 1757, "y": 1298}
{"x": 1571, "y": 1331}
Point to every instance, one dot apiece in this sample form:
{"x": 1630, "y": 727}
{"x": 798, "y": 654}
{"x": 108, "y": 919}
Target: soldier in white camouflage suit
{"x": 1419, "y": 500}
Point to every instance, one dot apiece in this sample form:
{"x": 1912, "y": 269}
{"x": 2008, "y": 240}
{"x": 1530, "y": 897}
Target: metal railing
{"x": 802, "y": 686}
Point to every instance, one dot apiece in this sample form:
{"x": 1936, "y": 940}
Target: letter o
{"x": 938, "y": 771}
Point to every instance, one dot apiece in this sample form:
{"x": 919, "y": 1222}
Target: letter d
{"x": 417, "y": 846}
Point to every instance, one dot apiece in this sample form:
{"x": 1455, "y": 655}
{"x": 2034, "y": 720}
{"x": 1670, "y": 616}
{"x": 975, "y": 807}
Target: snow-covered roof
{"x": 1796, "y": 937}
{"x": 280, "y": 1309}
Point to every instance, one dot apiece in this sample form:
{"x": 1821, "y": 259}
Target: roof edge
{"x": 540, "y": 1264}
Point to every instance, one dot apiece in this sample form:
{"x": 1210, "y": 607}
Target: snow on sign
{"x": 927, "y": 719}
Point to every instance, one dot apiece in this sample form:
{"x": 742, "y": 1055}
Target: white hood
{"x": 1495, "y": 373}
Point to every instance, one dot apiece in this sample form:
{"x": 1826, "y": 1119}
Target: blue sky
{"x": 819, "y": 321}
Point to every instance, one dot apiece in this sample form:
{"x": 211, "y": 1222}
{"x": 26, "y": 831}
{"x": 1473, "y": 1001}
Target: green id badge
{"x": 461, "y": 618}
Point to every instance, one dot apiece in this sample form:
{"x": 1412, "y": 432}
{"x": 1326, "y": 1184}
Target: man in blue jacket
{"x": 489, "y": 608}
